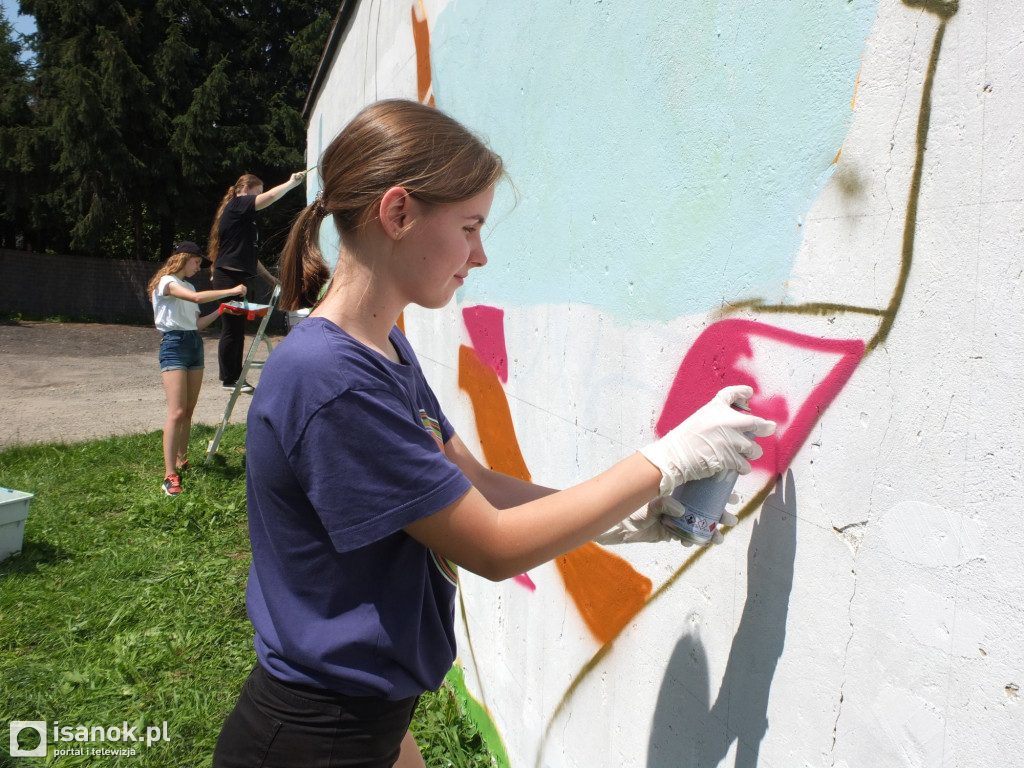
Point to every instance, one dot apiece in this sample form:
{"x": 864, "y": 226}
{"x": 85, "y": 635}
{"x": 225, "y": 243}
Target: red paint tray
{"x": 250, "y": 310}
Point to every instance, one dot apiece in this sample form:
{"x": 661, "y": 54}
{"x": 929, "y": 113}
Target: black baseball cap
{"x": 187, "y": 246}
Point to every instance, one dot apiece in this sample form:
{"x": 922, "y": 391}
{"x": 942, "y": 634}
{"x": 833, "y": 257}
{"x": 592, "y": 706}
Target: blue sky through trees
{"x": 22, "y": 24}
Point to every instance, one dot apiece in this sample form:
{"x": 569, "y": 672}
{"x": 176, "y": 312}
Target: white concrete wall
{"x": 808, "y": 196}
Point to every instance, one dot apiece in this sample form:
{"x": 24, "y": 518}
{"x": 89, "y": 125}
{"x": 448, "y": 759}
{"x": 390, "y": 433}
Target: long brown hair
{"x": 245, "y": 180}
{"x": 175, "y": 263}
{"x": 392, "y": 143}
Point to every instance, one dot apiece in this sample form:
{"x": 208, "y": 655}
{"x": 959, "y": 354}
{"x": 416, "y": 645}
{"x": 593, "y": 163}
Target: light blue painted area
{"x": 330, "y": 242}
{"x": 665, "y": 152}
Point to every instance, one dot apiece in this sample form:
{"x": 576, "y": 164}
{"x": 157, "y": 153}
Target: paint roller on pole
{"x": 301, "y": 175}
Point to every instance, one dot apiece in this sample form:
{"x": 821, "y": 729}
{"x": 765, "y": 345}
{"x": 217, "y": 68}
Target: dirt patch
{"x": 67, "y": 382}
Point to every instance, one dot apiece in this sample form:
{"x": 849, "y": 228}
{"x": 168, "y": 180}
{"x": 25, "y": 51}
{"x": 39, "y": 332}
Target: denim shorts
{"x": 181, "y": 351}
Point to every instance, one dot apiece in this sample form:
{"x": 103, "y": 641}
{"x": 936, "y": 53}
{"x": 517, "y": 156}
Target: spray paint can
{"x": 703, "y": 502}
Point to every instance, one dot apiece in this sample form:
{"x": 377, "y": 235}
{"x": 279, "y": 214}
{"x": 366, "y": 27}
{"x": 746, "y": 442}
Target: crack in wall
{"x": 846, "y": 654}
{"x": 852, "y": 535}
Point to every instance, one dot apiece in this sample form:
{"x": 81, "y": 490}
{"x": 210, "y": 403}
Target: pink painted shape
{"x": 526, "y": 581}
{"x": 714, "y": 361}
{"x": 486, "y": 326}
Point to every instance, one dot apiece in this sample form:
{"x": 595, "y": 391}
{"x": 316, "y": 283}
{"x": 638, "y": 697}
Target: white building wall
{"x": 857, "y": 187}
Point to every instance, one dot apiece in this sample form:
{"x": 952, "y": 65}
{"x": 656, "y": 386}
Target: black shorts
{"x": 281, "y": 725}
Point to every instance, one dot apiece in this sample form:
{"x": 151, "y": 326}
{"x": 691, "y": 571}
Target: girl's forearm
{"x": 498, "y": 542}
{"x": 552, "y": 524}
{"x": 202, "y": 297}
{"x": 206, "y": 320}
{"x": 504, "y": 491}
{"x": 274, "y": 194}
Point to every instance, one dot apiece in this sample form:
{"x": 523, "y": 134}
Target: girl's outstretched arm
{"x": 501, "y": 490}
{"x": 201, "y": 297}
{"x": 499, "y": 543}
{"x": 503, "y": 527}
{"x": 272, "y": 195}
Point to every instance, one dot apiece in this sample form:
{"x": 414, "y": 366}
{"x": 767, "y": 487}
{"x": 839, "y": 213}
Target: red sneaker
{"x": 172, "y": 485}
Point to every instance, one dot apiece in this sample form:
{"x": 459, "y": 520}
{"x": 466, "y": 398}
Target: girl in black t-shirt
{"x": 233, "y": 251}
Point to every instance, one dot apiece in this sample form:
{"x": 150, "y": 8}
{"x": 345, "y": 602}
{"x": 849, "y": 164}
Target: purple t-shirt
{"x": 344, "y": 448}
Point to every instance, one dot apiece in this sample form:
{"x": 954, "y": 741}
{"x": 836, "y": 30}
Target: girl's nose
{"x": 477, "y": 258}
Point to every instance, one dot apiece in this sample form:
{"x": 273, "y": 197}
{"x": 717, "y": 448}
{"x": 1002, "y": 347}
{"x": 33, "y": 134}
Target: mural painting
{"x": 667, "y": 162}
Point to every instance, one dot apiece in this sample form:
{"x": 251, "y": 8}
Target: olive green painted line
{"x": 584, "y": 672}
{"x": 945, "y": 11}
{"x": 582, "y": 675}
{"x": 469, "y": 642}
{"x": 475, "y": 709}
{"x": 814, "y": 308}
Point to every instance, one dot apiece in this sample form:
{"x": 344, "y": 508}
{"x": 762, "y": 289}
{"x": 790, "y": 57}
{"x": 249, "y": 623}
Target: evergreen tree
{"x": 21, "y": 175}
{"x": 151, "y": 108}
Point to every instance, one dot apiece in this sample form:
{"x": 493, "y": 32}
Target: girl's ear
{"x": 395, "y": 213}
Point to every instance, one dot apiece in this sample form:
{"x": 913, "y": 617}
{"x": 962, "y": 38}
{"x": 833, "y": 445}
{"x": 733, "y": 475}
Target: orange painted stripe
{"x": 421, "y": 38}
{"x": 606, "y": 589}
{"x": 493, "y": 418}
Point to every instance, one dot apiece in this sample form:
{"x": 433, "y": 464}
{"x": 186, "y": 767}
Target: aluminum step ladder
{"x": 251, "y": 363}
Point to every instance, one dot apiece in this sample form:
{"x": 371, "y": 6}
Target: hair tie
{"x": 319, "y": 206}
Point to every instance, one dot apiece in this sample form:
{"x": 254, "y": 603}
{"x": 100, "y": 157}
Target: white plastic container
{"x": 13, "y": 514}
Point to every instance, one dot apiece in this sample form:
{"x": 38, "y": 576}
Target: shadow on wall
{"x": 687, "y": 729}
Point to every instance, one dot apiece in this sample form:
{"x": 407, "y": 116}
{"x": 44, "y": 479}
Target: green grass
{"x": 126, "y": 606}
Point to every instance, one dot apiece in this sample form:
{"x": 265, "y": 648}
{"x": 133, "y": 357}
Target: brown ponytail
{"x": 392, "y": 143}
{"x": 213, "y": 246}
{"x": 303, "y": 271}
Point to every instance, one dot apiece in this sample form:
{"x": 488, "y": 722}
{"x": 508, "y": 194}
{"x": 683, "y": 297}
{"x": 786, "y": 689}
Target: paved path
{"x": 78, "y": 381}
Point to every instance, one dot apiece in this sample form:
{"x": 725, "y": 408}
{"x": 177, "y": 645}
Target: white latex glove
{"x": 709, "y": 441}
{"x": 644, "y": 525}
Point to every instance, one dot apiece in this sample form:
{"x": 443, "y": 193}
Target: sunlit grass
{"x": 126, "y": 607}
